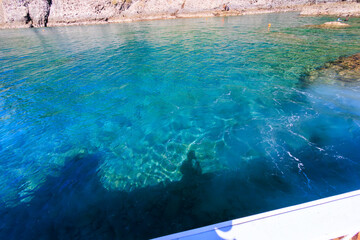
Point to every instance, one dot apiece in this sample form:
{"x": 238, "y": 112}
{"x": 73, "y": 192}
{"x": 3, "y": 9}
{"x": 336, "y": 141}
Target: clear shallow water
{"x": 98, "y": 121}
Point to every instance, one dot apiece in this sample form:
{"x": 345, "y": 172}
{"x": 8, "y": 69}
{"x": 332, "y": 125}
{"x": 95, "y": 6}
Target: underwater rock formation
{"x": 344, "y": 69}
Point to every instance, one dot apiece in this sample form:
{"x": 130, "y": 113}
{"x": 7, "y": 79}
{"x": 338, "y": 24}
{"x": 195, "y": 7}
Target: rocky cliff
{"x": 41, "y": 13}
{"x": 25, "y": 12}
{"x": 333, "y": 9}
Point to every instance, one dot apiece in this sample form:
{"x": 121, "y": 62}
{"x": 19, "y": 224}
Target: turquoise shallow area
{"x": 98, "y": 122}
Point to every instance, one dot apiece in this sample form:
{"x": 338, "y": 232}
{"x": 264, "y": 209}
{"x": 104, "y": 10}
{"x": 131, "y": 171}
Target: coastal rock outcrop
{"x": 344, "y": 69}
{"x": 1, "y": 13}
{"x": 38, "y": 13}
{"x": 140, "y": 9}
{"x": 70, "y": 11}
{"x": 20, "y": 13}
{"x": 41, "y": 13}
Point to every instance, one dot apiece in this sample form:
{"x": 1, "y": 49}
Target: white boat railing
{"x": 336, "y": 217}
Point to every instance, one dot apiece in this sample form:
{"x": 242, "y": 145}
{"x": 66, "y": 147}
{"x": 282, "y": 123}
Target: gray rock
{"x": 333, "y": 9}
{"x": 1, "y": 13}
{"x": 40, "y": 13}
{"x": 68, "y": 11}
{"x": 26, "y": 12}
{"x": 15, "y": 11}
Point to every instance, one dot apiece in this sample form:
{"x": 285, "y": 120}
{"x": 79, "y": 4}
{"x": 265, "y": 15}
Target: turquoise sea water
{"x": 137, "y": 130}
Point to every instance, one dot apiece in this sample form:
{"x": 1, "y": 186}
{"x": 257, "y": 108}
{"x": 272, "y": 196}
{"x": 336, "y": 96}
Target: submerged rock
{"x": 344, "y": 69}
{"x": 330, "y": 25}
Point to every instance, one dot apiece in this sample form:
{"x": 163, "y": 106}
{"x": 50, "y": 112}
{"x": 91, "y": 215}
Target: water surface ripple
{"x": 100, "y": 123}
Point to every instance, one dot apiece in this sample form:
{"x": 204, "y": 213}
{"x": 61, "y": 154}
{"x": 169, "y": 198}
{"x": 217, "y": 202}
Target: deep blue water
{"x": 137, "y": 130}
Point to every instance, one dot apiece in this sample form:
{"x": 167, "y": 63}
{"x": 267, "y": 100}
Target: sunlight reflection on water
{"x": 142, "y": 95}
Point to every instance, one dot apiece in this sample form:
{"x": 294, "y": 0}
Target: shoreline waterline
{"x": 204, "y": 14}
{"x": 303, "y": 9}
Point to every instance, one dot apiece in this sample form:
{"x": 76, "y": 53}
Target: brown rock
{"x": 330, "y": 25}
{"x": 344, "y": 69}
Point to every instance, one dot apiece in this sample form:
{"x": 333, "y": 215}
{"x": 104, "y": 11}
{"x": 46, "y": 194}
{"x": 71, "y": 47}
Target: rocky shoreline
{"x": 201, "y": 14}
{"x": 50, "y": 13}
{"x": 339, "y": 9}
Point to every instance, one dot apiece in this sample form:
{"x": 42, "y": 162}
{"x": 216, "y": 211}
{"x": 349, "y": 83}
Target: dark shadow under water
{"x": 75, "y": 205}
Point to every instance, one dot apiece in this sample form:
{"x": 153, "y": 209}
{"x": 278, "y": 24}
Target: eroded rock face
{"x": 68, "y": 11}
{"x": 32, "y": 13}
{"x": 15, "y": 11}
{"x": 181, "y": 7}
{"x": 1, "y": 13}
{"x": 39, "y": 13}
{"x": 335, "y": 9}
{"x": 344, "y": 69}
